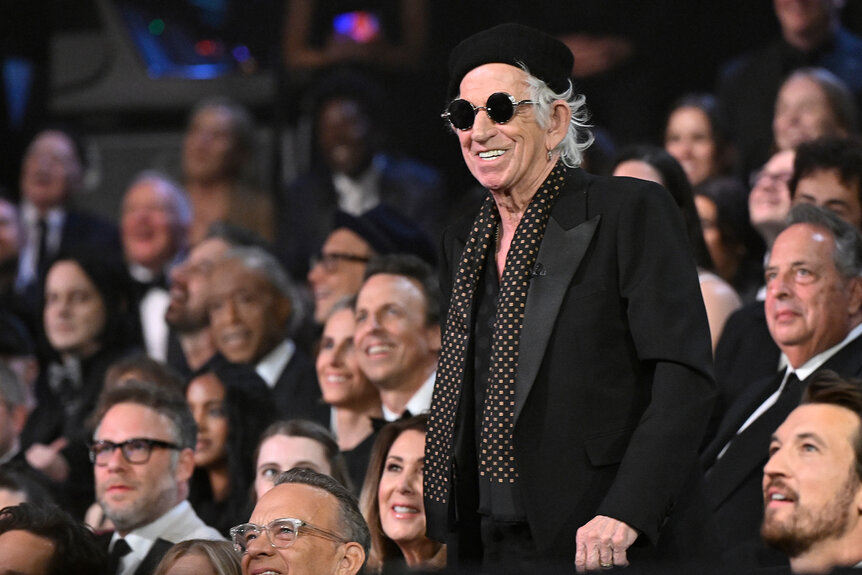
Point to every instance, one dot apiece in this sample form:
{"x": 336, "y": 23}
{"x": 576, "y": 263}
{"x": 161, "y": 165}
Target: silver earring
{"x": 550, "y": 155}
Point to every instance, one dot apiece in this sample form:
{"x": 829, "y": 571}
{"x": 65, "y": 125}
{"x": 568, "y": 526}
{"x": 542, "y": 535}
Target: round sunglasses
{"x": 500, "y": 107}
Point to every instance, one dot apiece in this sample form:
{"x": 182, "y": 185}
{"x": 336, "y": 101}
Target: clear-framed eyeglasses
{"x": 280, "y": 532}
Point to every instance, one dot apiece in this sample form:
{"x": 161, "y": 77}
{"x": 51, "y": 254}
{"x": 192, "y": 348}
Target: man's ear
{"x": 352, "y": 560}
{"x": 433, "y": 336}
{"x": 558, "y": 125}
{"x": 185, "y": 465}
{"x": 855, "y": 299}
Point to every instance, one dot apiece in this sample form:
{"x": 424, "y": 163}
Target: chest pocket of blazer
{"x": 608, "y": 448}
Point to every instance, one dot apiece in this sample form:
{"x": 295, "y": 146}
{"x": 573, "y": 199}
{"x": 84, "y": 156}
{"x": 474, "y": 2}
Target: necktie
{"x": 456, "y": 336}
{"x": 118, "y": 551}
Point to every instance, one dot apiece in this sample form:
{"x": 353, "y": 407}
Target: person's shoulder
{"x": 399, "y": 167}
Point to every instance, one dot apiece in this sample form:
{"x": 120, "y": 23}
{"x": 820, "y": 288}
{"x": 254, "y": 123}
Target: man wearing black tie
{"x": 814, "y": 314}
{"x": 143, "y": 457}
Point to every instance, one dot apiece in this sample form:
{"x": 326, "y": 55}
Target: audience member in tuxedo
{"x": 52, "y": 173}
{"x": 337, "y": 271}
{"x": 154, "y": 226}
{"x": 190, "y": 344}
{"x": 335, "y": 535}
{"x": 354, "y": 401}
{"x": 397, "y": 333}
{"x": 392, "y": 503}
{"x": 657, "y": 165}
{"x": 45, "y": 540}
{"x": 735, "y": 247}
{"x": 231, "y": 416}
{"x": 814, "y": 314}
{"x": 143, "y": 457}
{"x": 812, "y": 103}
{"x": 811, "y": 35}
{"x": 201, "y": 557}
{"x": 353, "y": 172}
{"x": 86, "y": 329}
{"x": 252, "y": 305}
{"x": 20, "y": 485}
{"x": 697, "y": 138}
{"x": 218, "y": 160}
{"x": 812, "y": 482}
{"x": 297, "y": 443}
{"x": 827, "y": 172}
{"x": 21, "y": 299}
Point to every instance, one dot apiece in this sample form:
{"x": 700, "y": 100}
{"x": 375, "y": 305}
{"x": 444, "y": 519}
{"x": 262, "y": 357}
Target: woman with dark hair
{"x": 392, "y": 501}
{"x": 696, "y": 137}
{"x": 297, "y": 443}
{"x": 657, "y": 165}
{"x": 231, "y": 415}
{"x": 735, "y": 246}
{"x": 86, "y": 329}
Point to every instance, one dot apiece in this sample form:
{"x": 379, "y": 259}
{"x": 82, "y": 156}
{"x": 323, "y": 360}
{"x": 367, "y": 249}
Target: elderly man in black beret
{"x": 575, "y": 372}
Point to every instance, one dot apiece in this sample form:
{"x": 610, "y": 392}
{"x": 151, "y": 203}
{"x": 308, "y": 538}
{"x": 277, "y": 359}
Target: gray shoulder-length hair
{"x": 579, "y": 137}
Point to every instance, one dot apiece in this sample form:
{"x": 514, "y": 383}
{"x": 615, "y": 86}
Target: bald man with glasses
{"x": 143, "y": 457}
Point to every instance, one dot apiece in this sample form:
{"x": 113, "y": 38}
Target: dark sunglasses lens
{"x": 500, "y": 107}
{"x": 461, "y": 114}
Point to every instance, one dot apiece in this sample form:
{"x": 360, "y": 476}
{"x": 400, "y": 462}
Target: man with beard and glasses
{"x": 812, "y": 483}
{"x": 143, "y": 457}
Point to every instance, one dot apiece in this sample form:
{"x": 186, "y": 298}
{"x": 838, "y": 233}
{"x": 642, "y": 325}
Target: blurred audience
{"x": 696, "y": 136}
{"x": 769, "y": 199}
{"x": 218, "y": 166}
{"x": 45, "y": 540}
{"x": 812, "y": 103}
{"x": 297, "y": 443}
{"x": 154, "y": 225}
{"x": 52, "y": 172}
{"x": 86, "y": 330}
{"x": 811, "y": 35}
{"x": 354, "y": 173}
{"x": 252, "y": 305}
{"x": 200, "y": 557}
{"x": 20, "y": 485}
{"x": 231, "y": 416}
{"x": 392, "y": 500}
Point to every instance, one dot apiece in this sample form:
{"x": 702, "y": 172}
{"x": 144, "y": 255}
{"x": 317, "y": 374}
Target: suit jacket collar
{"x": 847, "y": 363}
{"x": 567, "y": 237}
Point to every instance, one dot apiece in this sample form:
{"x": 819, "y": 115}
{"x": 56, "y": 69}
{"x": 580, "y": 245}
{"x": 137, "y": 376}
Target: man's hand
{"x": 602, "y": 544}
{"x": 49, "y": 460}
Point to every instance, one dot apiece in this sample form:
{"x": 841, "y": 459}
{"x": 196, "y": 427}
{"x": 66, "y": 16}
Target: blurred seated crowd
{"x": 222, "y": 362}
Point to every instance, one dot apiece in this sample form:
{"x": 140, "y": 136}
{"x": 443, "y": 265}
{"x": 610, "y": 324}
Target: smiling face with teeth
{"x": 511, "y": 157}
{"x": 342, "y": 383}
{"x": 812, "y": 493}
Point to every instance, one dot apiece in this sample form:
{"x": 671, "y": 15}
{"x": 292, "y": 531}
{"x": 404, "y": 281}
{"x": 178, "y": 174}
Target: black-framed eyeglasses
{"x": 500, "y": 107}
{"x": 281, "y": 533}
{"x": 329, "y": 261}
{"x": 135, "y": 450}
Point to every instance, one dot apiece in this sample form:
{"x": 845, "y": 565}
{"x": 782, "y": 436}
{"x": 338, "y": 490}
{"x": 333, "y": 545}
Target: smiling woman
{"x": 392, "y": 502}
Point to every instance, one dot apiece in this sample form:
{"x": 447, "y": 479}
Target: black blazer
{"x": 614, "y": 379}
{"x": 151, "y": 560}
{"x": 733, "y": 483}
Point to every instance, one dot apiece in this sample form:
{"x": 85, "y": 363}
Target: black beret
{"x": 546, "y": 57}
{"x": 388, "y": 232}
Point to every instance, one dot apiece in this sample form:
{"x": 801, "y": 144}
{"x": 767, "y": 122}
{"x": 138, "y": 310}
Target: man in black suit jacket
{"x": 612, "y": 382}
{"x": 252, "y": 304}
{"x": 814, "y": 312}
{"x": 51, "y": 173}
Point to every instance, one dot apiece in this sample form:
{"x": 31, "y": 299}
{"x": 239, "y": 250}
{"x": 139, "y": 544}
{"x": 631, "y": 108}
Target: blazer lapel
{"x": 559, "y": 257}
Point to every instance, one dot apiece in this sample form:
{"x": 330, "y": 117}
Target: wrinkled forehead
{"x": 310, "y": 504}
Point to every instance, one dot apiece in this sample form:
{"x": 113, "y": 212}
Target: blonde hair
{"x": 221, "y": 555}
